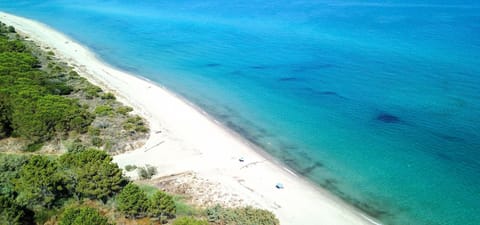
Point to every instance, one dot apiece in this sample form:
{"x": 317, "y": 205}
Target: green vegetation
{"x": 135, "y": 124}
{"x": 43, "y": 102}
{"x": 12, "y": 213}
{"x": 11, "y": 29}
{"x": 189, "y": 221}
{"x": 146, "y": 172}
{"x": 162, "y": 205}
{"x": 108, "y": 96}
{"x": 81, "y": 216}
{"x": 241, "y": 216}
{"x": 92, "y": 91}
{"x": 40, "y": 183}
{"x": 132, "y": 201}
{"x": 124, "y": 110}
{"x": 92, "y": 174}
{"x": 38, "y": 186}
{"x": 32, "y": 102}
{"x": 130, "y": 168}
{"x": 185, "y": 209}
{"x": 103, "y": 110}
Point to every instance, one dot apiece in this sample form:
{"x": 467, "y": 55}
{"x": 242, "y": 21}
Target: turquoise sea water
{"x": 376, "y": 101}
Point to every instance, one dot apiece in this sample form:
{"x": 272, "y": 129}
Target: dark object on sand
{"x": 279, "y": 186}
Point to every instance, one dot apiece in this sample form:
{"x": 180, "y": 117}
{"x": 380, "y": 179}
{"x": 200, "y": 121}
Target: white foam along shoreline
{"x": 185, "y": 139}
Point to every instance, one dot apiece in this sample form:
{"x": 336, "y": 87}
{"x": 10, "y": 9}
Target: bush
{"x": 92, "y": 91}
{"x": 103, "y": 110}
{"x": 11, "y": 213}
{"x": 108, "y": 96}
{"x": 81, "y": 216}
{"x": 241, "y": 216}
{"x": 189, "y": 221}
{"x": 97, "y": 142}
{"x": 130, "y": 168}
{"x": 135, "y": 123}
{"x": 76, "y": 146}
{"x": 148, "y": 172}
{"x": 11, "y": 29}
{"x": 108, "y": 146}
{"x": 73, "y": 73}
{"x": 94, "y": 131}
{"x": 124, "y": 110}
{"x": 33, "y": 147}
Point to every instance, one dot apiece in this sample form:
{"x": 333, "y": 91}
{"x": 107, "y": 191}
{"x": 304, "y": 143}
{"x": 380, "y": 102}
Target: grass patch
{"x": 149, "y": 189}
{"x": 184, "y": 209}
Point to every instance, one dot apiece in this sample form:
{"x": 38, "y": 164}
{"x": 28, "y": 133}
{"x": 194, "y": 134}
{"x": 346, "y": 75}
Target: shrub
{"x": 94, "y": 131}
{"x": 73, "y": 73}
{"x": 97, "y": 142}
{"x": 11, "y": 29}
{"x": 11, "y": 213}
{"x": 130, "y": 168}
{"x": 124, "y": 110}
{"x": 108, "y": 145}
{"x": 135, "y": 123}
{"x": 108, "y": 96}
{"x": 103, "y": 110}
{"x": 241, "y": 216}
{"x": 92, "y": 91}
{"x": 148, "y": 172}
{"x": 76, "y": 146}
{"x": 33, "y": 147}
{"x": 82, "y": 215}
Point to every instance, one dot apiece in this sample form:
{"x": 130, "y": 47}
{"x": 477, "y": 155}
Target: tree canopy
{"x": 32, "y": 104}
{"x": 132, "y": 201}
{"x": 161, "y": 204}
{"x": 40, "y": 182}
{"x": 93, "y": 174}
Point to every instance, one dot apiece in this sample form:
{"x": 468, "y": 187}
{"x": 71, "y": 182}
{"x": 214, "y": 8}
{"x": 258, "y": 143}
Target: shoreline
{"x": 185, "y": 138}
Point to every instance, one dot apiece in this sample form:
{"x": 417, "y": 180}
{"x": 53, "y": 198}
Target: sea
{"x": 377, "y": 101}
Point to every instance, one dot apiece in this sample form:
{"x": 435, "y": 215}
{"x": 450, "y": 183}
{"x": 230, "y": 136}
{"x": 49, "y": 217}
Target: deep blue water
{"x": 377, "y": 101}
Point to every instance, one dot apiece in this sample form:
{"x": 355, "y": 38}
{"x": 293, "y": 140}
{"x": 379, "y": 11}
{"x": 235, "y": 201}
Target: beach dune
{"x": 184, "y": 139}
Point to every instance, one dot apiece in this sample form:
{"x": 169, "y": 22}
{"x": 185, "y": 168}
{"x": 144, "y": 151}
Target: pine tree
{"x": 40, "y": 182}
{"x": 93, "y": 174}
{"x": 132, "y": 201}
{"x": 162, "y": 204}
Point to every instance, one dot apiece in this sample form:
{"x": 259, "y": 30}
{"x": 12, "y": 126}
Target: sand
{"x": 184, "y": 139}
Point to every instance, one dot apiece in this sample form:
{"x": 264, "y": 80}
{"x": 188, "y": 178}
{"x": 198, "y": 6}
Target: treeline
{"x": 32, "y": 102}
{"x": 43, "y": 101}
{"x": 32, "y": 188}
{"x": 36, "y": 189}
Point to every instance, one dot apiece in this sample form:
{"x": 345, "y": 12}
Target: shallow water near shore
{"x": 377, "y": 102}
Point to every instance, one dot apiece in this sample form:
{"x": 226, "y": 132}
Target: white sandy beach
{"x": 184, "y": 139}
